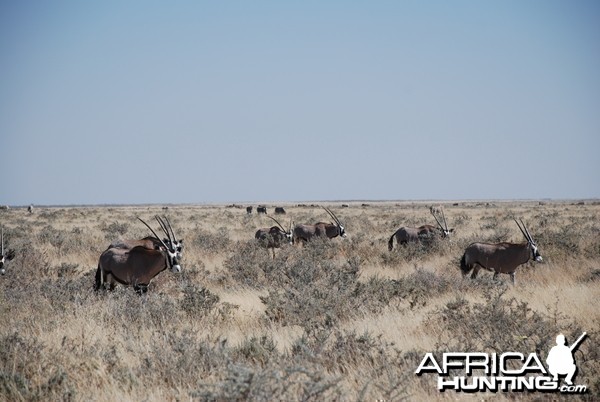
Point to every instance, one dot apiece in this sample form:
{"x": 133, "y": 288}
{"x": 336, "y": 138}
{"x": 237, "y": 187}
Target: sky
{"x": 138, "y": 102}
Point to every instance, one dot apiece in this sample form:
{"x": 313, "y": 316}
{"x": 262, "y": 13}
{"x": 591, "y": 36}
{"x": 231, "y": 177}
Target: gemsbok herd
{"x": 136, "y": 262}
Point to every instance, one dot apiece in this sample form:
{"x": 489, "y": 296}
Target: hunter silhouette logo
{"x": 508, "y": 371}
{"x": 560, "y": 359}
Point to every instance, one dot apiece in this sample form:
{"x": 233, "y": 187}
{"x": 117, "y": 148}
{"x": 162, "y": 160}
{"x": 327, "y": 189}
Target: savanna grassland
{"x": 340, "y": 319}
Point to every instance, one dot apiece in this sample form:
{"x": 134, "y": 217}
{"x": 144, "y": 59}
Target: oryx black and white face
{"x": 173, "y": 260}
{"x": 342, "y": 230}
{"x": 177, "y": 245}
{"x": 5, "y": 256}
{"x": 289, "y": 236}
{"x": 535, "y": 254}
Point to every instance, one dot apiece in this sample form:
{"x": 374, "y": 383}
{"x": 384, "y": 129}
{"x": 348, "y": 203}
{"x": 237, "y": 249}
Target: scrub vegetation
{"x": 340, "y": 319}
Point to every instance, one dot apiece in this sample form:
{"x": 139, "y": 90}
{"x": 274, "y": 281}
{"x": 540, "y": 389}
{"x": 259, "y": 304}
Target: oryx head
{"x": 288, "y": 233}
{"x": 535, "y": 254}
{"x": 444, "y": 228}
{"x": 177, "y": 245}
{"x": 340, "y": 227}
{"x": 5, "y": 256}
{"x": 168, "y": 247}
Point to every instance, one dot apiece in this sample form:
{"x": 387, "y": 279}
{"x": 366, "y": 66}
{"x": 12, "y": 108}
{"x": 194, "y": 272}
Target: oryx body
{"x": 133, "y": 267}
{"x": 138, "y": 265}
{"x": 502, "y": 258}
{"x": 406, "y": 235}
{"x": 331, "y": 230}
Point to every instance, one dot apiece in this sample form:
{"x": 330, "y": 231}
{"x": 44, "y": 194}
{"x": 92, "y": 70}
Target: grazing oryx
{"x": 5, "y": 256}
{"x": 30, "y": 208}
{"x": 406, "y": 235}
{"x": 502, "y": 258}
{"x": 279, "y": 210}
{"x": 136, "y": 266}
{"x": 307, "y": 232}
{"x": 261, "y": 209}
{"x": 274, "y": 236}
{"x": 153, "y": 242}
{"x": 249, "y": 210}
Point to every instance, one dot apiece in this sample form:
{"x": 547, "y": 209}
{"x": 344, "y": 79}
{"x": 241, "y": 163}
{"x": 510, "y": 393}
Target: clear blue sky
{"x": 232, "y": 101}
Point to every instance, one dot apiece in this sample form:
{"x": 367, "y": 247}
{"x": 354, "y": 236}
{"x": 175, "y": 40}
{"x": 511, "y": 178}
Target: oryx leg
{"x": 496, "y": 275}
{"x": 476, "y": 268}
{"x": 512, "y": 278}
{"x": 111, "y": 282}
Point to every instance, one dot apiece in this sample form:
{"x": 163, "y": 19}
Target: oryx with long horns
{"x": 406, "y": 235}
{"x": 502, "y": 258}
{"x": 275, "y": 236}
{"x": 331, "y": 230}
{"x": 5, "y": 256}
{"x": 138, "y": 265}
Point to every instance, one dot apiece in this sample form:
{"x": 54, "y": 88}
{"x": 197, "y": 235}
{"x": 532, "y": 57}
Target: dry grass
{"x": 334, "y": 320}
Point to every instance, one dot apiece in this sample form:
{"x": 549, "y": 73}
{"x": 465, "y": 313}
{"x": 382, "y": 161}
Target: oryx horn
{"x": 332, "y": 215}
{"x": 436, "y": 219}
{"x": 154, "y": 233}
{"x": 171, "y": 228}
{"x": 521, "y": 229}
{"x": 444, "y": 216}
{"x": 527, "y": 231}
{"x": 277, "y": 223}
{"x": 162, "y": 226}
{"x": 2, "y": 241}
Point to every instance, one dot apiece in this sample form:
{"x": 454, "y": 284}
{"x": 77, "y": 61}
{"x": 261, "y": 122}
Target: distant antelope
{"x": 30, "y": 208}
{"x": 307, "y": 232}
{"x": 406, "y": 235}
{"x": 153, "y": 242}
{"x": 274, "y": 236}
{"x": 502, "y": 258}
{"x": 5, "y": 256}
{"x": 261, "y": 209}
{"x": 279, "y": 210}
{"x": 135, "y": 266}
{"x": 249, "y": 210}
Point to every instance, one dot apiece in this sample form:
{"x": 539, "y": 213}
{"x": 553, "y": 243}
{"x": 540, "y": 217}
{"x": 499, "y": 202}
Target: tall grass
{"x": 333, "y": 320}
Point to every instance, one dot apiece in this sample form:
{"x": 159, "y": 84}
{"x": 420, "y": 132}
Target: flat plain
{"x": 339, "y": 319}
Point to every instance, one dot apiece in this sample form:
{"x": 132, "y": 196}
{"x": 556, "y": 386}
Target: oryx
{"x": 331, "y": 230}
{"x": 135, "y": 266}
{"x": 261, "y": 209}
{"x": 153, "y": 242}
{"x": 502, "y": 258}
{"x": 279, "y": 211}
{"x": 406, "y": 235}
{"x": 275, "y": 236}
{"x": 5, "y": 256}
